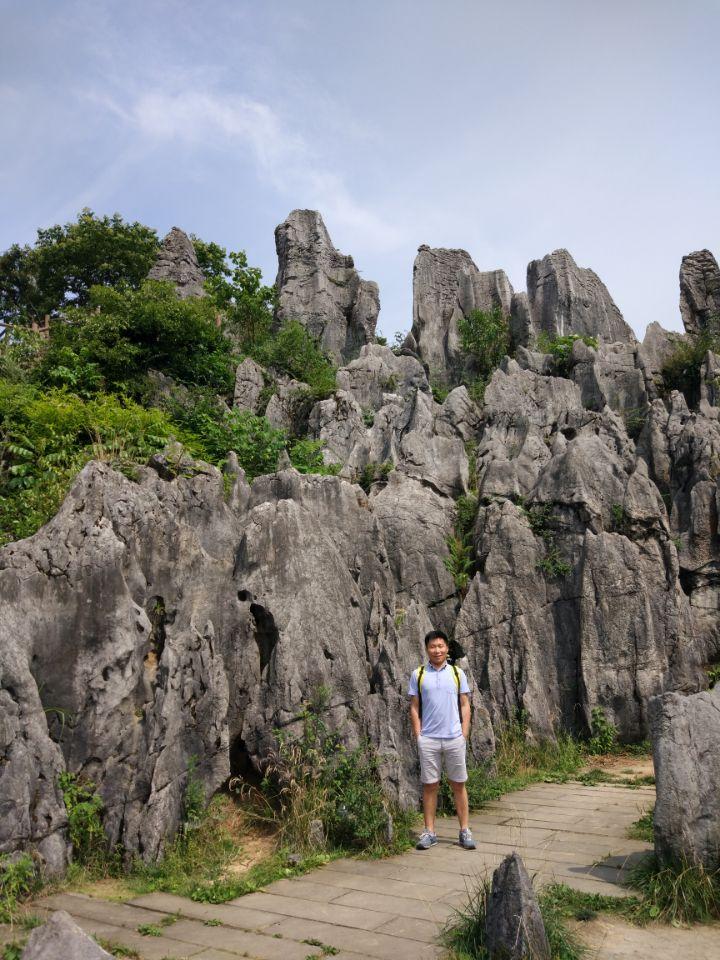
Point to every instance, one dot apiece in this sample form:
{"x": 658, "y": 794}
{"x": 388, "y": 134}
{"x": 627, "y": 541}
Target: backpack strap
{"x": 420, "y": 674}
{"x": 457, "y": 684}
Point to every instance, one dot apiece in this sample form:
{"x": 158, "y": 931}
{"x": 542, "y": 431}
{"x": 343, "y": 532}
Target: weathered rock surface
{"x": 285, "y": 407}
{"x": 514, "y": 927}
{"x": 685, "y": 732}
{"x": 60, "y": 938}
{"x": 249, "y": 382}
{"x": 564, "y": 298}
{"x": 446, "y": 286}
{"x": 699, "y": 290}
{"x": 177, "y": 262}
{"x": 321, "y": 289}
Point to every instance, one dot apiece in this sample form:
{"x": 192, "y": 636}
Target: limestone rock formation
{"x": 514, "y": 927}
{"x": 564, "y": 298}
{"x": 321, "y": 289}
{"x": 249, "y": 382}
{"x": 685, "y": 732}
{"x": 177, "y": 262}
{"x": 446, "y": 286}
{"x": 60, "y": 938}
{"x": 699, "y": 290}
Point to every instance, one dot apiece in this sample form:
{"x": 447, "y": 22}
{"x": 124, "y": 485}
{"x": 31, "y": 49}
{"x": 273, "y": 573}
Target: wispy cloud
{"x": 282, "y": 156}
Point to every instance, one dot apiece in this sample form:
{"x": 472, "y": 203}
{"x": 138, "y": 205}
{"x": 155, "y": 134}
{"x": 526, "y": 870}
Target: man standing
{"x": 440, "y": 718}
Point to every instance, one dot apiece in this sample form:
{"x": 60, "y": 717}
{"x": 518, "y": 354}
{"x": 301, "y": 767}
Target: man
{"x": 440, "y": 718}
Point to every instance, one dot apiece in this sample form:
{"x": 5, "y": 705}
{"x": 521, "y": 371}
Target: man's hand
{"x": 415, "y": 716}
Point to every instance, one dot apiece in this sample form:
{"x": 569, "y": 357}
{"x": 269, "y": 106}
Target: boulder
{"x": 60, "y": 938}
{"x": 287, "y": 405}
{"x": 321, "y": 289}
{"x": 514, "y": 928}
{"x": 564, "y": 298}
{"x": 177, "y": 262}
{"x": 447, "y": 286}
{"x": 378, "y": 371}
{"x": 685, "y": 733}
{"x": 249, "y": 382}
{"x": 699, "y": 290}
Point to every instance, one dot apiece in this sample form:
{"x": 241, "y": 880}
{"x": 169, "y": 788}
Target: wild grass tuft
{"x": 464, "y": 932}
{"x": 642, "y": 829}
{"x": 677, "y": 893}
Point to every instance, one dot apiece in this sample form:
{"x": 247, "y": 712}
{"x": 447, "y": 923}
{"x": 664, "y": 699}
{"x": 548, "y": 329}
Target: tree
{"x": 485, "y": 338}
{"x": 122, "y": 333}
{"x": 67, "y": 261}
{"x": 238, "y": 291}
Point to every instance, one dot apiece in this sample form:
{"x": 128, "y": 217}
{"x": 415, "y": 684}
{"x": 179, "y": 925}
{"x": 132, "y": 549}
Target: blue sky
{"x": 507, "y": 128}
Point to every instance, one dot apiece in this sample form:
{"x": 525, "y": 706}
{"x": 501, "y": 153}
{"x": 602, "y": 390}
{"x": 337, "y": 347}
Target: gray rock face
{"x": 657, "y": 346}
{"x": 514, "y": 927}
{"x": 249, "y": 382}
{"x": 285, "y": 406}
{"x": 685, "y": 733}
{"x": 446, "y": 286}
{"x": 378, "y": 371}
{"x": 60, "y": 938}
{"x": 564, "y": 298}
{"x": 610, "y": 376}
{"x": 177, "y": 262}
{"x": 699, "y": 290}
{"x": 321, "y": 289}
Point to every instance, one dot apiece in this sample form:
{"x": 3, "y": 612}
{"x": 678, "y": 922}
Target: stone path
{"x": 393, "y": 909}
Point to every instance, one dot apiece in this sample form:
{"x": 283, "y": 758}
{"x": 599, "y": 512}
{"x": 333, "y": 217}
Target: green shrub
{"x": 541, "y": 520}
{"x": 604, "y": 735}
{"x": 294, "y": 352}
{"x": 123, "y": 333}
{"x": 679, "y": 893}
{"x": 84, "y": 811}
{"x": 18, "y": 879}
{"x": 306, "y": 456}
{"x": 485, "y": 338}
{"x": 374, "y": 473}
{"x": 560, "y": 348}
{"x": 314, "y": 777}
{"x": 681, "y": 369}
{"x": 46, "y": 437}
{"x": 713, "y": 675}
{"x": 459, "y": 562}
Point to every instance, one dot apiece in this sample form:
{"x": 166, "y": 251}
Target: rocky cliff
{"x": 189, "y": 614}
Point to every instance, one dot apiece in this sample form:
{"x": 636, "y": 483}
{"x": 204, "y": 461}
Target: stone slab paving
{"x": 393, "y": 909}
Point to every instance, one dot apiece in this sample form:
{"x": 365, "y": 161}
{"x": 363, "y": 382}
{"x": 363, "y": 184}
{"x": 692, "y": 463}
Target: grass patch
{"x": 117, "y": 949}
{"x": 590, "y": 777}
{"x": 679, "y": 893}
{"x": 464, "y": 933}
{"x": 642, "y": 829}
{"x": 570, "y": 904}
{"x": 18, "y": 880}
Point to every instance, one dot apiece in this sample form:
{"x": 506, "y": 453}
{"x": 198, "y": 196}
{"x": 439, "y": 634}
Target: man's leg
{"x": 461, "y": 802}
{"x": 430, "y": 795}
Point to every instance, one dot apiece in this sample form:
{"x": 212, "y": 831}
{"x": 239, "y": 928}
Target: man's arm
{"x": 415, "y": 716}
{"x": 465, "y": 714}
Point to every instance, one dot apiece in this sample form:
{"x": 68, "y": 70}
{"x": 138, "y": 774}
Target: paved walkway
{"x": 392, "y": 909}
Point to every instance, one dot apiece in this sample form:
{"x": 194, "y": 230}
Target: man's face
{"x": 437, "y": 651}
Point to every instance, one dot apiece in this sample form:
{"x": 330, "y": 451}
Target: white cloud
{"x": 282, "y": 156}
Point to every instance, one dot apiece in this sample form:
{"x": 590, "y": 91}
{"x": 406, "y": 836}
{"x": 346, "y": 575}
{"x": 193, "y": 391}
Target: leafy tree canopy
{"x": 67, "y": 261}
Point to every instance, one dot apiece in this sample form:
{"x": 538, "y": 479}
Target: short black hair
{"x": 436, "y": 635}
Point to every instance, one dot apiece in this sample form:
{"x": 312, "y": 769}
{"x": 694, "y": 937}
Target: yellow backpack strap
{"x": 456, "y": 673}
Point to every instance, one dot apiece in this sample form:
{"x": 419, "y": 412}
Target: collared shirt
{"x": 440, "y": 714}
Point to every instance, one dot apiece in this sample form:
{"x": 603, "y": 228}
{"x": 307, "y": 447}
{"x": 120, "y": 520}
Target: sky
{"x": 508, "y": 128}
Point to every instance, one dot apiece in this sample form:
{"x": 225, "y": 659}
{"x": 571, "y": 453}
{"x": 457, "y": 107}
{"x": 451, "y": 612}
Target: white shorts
{"x": 436, "y": 752}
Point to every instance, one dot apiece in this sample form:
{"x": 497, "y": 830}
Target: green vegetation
{"x": 117, "y": 949}
{"x": 570, "y": 904}
{"x": 89, "y": 390}
{"x": 84, "y": 811}
{"x": 314, "y": 779}
{"x": 374, "y": 473}
{"x": 460, "y": 560}
{"x": 642, "y": 829}
{"x": 681, "y": 369}
{"x": 713, "y": 675}
{"x": 18, "y": 880}
{"x": 542, "y": 523}
{"x": 560, "y": 349}
{"x": 604, "y": 735}
{"x": 464, "y": 933}
{"x": 485, "y": 338}
{"x": 679, "y": 893}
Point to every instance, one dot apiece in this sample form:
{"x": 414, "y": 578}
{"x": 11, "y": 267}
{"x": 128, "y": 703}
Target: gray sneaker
{"x": 426, "y": 840}
{"x": 466, "y": 839}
